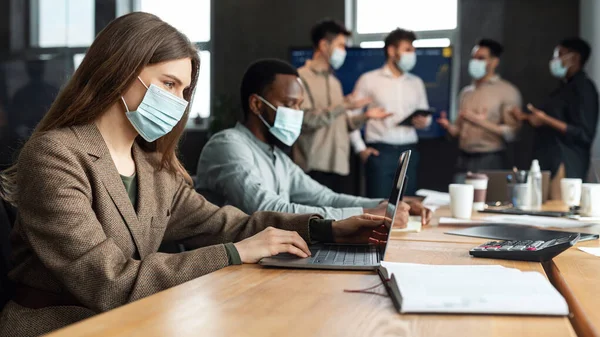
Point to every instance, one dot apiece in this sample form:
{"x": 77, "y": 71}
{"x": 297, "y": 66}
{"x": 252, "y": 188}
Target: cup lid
{"x": 476, "y": 176}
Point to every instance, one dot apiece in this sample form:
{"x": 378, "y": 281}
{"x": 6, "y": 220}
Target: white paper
{"x": 476, "y": 289}
{"x": 413, "y": 226}
{"x": 591, "y": 250}
{"x": 454, "y": 221}
{"x": 594, "y": 219}
{"x": 433, "y": 199}
{"x": 427, "y": 193}
{"x": 537, "y": 221}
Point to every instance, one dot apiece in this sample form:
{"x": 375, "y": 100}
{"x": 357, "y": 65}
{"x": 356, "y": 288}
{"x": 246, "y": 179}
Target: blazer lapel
{"x": 92, "y": 140}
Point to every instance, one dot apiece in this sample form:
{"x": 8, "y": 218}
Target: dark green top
{"x": 320, "y": 230}
{"x": 131, "y": 188}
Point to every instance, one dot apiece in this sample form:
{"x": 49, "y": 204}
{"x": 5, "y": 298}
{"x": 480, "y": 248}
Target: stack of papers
{"x": 521, "y": 220}
{"x": 478, "y": 289}
{"x": 433, "y": 199}
{"x": 591, "y": 250}
{"x": 413, "y": 226}
{"x": 455, "y": 221}
{"x": 537, "y": 221}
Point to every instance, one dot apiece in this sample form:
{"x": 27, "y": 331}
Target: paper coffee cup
{"x": 480, "y": 184}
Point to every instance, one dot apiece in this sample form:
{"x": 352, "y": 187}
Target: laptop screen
{"x": 396, "y": 195}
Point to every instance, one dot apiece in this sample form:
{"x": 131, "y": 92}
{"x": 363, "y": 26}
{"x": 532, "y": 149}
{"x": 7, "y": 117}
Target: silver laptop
{"x": 348, "y": 257}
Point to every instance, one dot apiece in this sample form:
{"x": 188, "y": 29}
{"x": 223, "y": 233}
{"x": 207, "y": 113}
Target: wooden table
{"x": 574, "y": 273}
{"x": 253, "y": 301}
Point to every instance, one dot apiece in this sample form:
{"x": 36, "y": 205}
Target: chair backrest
{"x": 7, "y": 219}
{"x": 498, "y": 185}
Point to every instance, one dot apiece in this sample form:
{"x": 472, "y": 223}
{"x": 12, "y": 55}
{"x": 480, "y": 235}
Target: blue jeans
{"x": 381, "y": 170}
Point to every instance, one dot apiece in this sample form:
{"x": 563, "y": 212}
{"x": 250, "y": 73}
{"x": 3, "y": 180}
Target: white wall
{"x": 590, "y": 31}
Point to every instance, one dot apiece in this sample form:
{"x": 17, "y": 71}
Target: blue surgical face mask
{"x": 157, "y": 114}
{"x": 338, "y": 56}
{"x": 477, "y": 68}
{"x": 287, "y": 125}
{"x": 407, "y": 61}
{"x": 557, "y": 69}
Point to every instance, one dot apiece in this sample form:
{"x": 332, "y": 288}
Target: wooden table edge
{"x": 579, "y": 320}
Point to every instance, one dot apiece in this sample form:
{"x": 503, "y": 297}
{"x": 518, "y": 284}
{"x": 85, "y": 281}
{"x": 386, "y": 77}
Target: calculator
{"x": 525, "y": 250}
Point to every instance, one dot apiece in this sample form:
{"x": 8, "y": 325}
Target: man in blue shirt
{"x": 247, "y": 166}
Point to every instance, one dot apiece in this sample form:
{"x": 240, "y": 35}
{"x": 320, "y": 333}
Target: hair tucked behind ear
{"x": 118, "y": 54}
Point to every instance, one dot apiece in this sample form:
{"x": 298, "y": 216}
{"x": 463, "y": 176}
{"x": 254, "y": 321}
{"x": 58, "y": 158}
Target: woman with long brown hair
{"x": 99, "y": 187}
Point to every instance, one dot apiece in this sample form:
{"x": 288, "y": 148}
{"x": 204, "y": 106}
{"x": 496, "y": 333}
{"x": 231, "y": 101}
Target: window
{"x": 383, "y": 16}
{"x": 63, "y": 23}
{"x": 191, "y": 17}
{"x": 77, "y": 59}
{"x": 435, "y": 23}
{"x": 421, "y": 43}
{"x": 201, "y": 100}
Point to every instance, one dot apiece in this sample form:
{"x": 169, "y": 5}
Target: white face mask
{"x": 287, "y": 125}
{"x": 407, "y": 61}
{"x": 157, "y": 114}
{"x": 337, "y": 58}
{"x": 477, "y": 68}
{"x": 557, "y": 69}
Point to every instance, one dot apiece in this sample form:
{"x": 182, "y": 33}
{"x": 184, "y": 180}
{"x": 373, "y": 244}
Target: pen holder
{"x": 520, "y": 196}
{"x": 509, "y": 192}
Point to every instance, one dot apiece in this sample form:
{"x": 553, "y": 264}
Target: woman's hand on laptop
{"x": 271, "y": 241}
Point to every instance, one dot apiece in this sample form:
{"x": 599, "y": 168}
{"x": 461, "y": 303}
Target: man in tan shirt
{"x": 323, "y": 149}
{"x": 486, "y": 122}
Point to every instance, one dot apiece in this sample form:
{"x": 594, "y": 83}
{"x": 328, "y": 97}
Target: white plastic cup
{"x": 590, "y": 200}
{"x": 570, "y": 189}
{"x": 461, "y": 200}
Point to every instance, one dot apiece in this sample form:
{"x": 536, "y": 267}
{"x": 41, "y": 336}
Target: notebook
{"x": 466, "y": 289}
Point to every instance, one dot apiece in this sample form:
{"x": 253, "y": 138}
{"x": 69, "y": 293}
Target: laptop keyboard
{"x": 344, "y": 255}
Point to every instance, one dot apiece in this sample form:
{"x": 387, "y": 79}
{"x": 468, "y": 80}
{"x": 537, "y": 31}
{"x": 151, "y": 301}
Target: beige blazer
{"x": 78, "y": 236}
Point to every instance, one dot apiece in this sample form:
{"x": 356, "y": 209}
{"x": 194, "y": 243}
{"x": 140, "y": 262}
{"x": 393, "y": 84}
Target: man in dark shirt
{"x": 566, "y": 124}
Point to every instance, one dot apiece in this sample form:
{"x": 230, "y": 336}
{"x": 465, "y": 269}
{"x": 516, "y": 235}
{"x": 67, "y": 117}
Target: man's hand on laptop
{"x": 365, "y": 228}
{"x": 401, "y": 220}
{"x": 271, "y": 241}
{"x": 379, "y": 210}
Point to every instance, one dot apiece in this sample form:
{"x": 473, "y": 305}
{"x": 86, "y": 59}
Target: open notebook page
{"x": 475, "y": 289}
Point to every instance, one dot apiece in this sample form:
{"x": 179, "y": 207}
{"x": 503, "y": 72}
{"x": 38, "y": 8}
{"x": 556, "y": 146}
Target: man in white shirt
{"x": 395, "y": 89}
